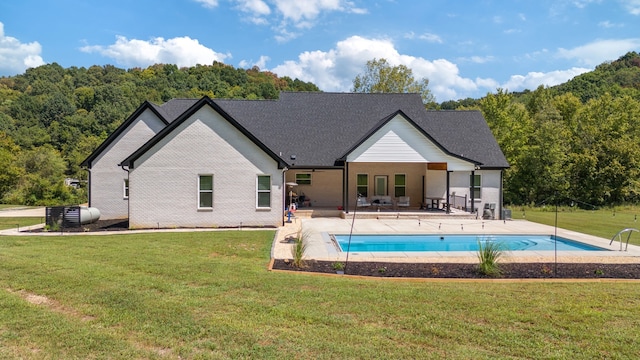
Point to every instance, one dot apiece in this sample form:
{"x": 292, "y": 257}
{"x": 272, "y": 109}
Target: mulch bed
{"x": 470, "y": 271}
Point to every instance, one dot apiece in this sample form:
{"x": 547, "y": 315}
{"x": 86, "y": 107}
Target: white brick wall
{"x": 107, "y": 177}
{"x": 164, "y": 181}
{"x": 490, "y": 192}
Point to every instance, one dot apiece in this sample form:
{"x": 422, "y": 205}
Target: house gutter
{"x": 284, "y": 193}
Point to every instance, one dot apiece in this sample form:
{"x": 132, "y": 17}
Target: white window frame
{"x": 473, "y": 187}
{"x": 263, "y": 191}
{"x": 207, "y": 191}
{"x": 306, "y": 180}
{"x": 125, "y": 189}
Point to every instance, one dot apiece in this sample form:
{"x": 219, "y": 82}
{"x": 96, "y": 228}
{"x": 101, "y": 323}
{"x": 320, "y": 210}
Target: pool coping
{"x": 320, "y": 247}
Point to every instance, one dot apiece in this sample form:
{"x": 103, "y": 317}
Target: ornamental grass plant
{"x": 489, "y": 252}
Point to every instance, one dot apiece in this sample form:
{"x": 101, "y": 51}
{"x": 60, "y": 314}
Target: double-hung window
{"x": 205, "y": 191}
{"x": 362, "y": 184}
{"x": 476, "y": 186}
{"x": 400, "y": 185}
{"x": 125, "y": 188}
{"x": 263, "y": 191}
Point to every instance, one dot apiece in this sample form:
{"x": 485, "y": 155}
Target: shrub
{"x": 299, "y": 250}
{"x": 489, "y": 252}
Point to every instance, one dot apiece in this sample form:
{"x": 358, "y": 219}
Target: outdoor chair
{"x": 362, "y": 202}
{"x": 403, "y": 201}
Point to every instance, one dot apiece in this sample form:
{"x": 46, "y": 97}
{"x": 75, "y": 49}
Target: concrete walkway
{"x": 316, "y": 232}
{"x": 23, "y": 212}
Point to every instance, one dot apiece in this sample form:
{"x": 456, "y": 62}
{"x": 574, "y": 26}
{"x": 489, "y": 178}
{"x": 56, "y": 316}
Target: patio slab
{"x": 320, "y": 246}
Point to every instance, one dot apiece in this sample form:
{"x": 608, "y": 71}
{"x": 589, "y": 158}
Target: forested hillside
{"x": 577, "y": 142}
{"x": 51, "y": 118}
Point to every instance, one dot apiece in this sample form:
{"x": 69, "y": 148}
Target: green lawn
{"x": 604, "y": 222}
{"x": 19, "y": 222}
{"x": 208, "y": 295}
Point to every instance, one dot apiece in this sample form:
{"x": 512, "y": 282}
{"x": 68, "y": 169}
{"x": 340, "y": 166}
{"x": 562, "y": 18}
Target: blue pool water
{"x": 379, "y": 243}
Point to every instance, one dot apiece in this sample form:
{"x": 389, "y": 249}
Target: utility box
{"x": 489, "y": 211}
{"x": 506, "y": 214}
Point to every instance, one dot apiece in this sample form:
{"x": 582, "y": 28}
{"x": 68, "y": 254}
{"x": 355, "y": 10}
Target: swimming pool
{"x": 410, "y": 243}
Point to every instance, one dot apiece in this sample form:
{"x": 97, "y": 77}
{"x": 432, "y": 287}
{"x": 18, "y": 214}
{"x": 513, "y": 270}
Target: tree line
{"x": 52, "y": 118}
{"x": 577, "y": 141}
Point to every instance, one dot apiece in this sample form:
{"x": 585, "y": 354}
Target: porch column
{"x": 345, "y": 187}
{"x": 472, "y": 191}
{"x": 447, "y": 200}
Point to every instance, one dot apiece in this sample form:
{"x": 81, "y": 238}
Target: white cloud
{"x": 255, "y": 6}
{"x": 534, "y": 79}
{"x": 261, "y": 63}
{"x": 479, "y": 59}
{"x": 283, "y": 15}
{"x": 432, "y": 38}
{"x": 299, "y": 10}
{"x": 632, "y": 6}
{"x": 208, "y": 3}
{"x": 599, "y": 51}
{"x": 334, "y": 70}
{"x": 16, "y": 57}
{"x": 182, "y": 51}
{"x": 608, "y": 24}
{"x": 429, "y": 37}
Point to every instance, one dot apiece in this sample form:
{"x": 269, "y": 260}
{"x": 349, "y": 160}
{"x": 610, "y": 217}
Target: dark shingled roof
{"x": 173, "y": 108}
{"x": 320, "y": 128}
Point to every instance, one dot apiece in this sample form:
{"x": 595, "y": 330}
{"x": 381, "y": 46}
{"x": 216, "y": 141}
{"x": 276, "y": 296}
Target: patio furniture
{"x": 381, "y": 201}
{"x": 433, "y": 202}
{"x": 362, "y": 202}
{"x": 403, "y": 201}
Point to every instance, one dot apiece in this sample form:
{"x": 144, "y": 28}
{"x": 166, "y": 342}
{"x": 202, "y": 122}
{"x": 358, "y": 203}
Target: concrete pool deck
{"x": 320, "y": 246}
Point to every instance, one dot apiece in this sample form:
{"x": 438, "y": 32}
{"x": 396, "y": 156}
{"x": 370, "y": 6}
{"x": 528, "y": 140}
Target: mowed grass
{"x": 19, "y": 222}
{"x": 605, "y": 222}
{"x": 204, "y": 295}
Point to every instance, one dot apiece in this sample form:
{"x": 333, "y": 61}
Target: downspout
{"x": 284, "y": 191}
{"x": 128, "y": 182}
{"x": 88, "y": 187}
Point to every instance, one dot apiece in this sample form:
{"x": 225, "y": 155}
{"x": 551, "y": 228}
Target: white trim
{"x": 200, "y": 192}
{"x": 125, "y": 189}
{"x": 472, "y": 187}
{"x": 258, "y": 191}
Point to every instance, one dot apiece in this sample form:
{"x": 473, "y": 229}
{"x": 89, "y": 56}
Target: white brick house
{"x": 225, "y": 163}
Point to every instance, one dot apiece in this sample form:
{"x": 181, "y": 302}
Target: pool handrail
{"x": 618, "y": 235}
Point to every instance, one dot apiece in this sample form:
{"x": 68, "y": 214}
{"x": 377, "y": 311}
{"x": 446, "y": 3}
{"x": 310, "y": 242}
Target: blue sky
{"x": 465, "y": 48}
